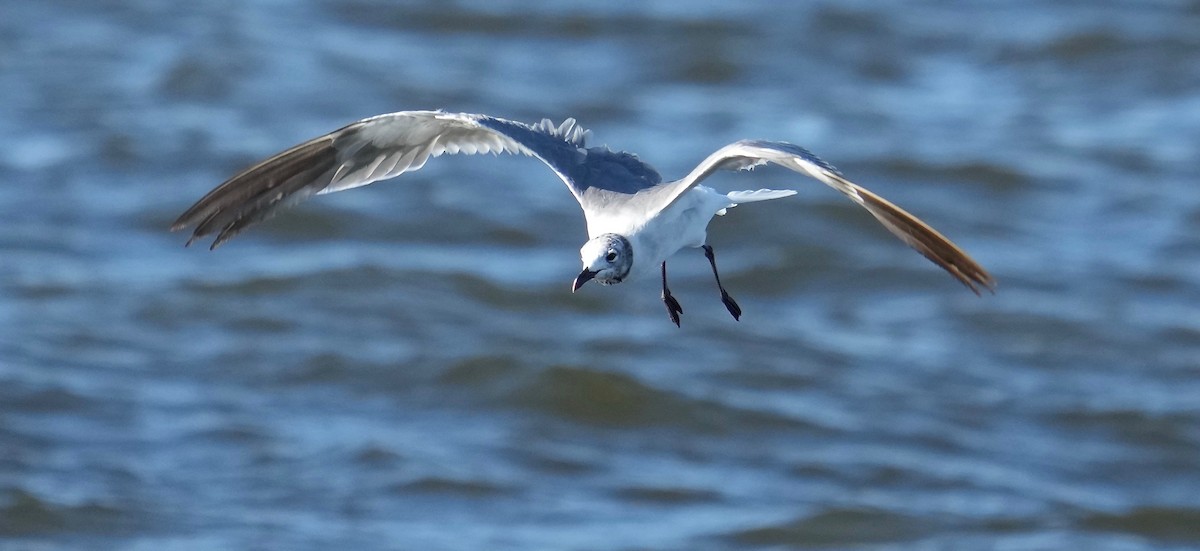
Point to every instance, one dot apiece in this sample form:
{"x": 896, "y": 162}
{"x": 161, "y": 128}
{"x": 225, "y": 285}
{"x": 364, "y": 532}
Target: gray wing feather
{"x": 937, "y": 248}
{"x": 387, "y": 146}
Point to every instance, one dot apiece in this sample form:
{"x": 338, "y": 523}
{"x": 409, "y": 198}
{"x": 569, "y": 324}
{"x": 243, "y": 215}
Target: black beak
{"x": 585, "y": 276}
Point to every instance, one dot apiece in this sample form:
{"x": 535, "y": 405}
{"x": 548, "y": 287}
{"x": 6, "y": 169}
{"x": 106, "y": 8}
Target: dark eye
{"x": 612, "y": 255}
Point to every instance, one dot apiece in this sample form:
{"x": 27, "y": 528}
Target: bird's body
{"x": 682, "y": 225}
{"x": 635, "y": 221}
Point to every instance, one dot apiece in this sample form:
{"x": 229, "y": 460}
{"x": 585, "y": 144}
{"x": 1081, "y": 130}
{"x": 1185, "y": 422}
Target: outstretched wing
{"x": 926, "y": 240}
{"x": 386, "y": 146}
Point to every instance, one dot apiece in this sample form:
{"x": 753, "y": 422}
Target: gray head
{"x": 606, "y": 258}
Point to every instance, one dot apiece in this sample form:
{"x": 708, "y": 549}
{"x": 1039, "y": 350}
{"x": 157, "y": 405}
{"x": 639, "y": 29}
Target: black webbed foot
{"x": 673, "y": 307}
{"x": 730, "y": 304}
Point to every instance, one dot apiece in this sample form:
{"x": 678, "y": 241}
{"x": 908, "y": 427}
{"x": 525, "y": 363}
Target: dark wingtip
{"x": 976, "y": 280}
{"x": 222, "y": 237}
{"x": 989, "y": 284}
{"x": 255, "y": 193}
{"x": 926, "y": 240}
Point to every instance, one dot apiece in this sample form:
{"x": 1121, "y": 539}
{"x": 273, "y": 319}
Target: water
{"x": 404, "y": 367}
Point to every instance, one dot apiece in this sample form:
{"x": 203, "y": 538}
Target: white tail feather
{"x": 736, "y": 197}
{"x": 759, "y": 195}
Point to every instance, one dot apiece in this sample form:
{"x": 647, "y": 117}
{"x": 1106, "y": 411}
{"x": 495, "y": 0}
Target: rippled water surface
{"x": 404, "y": 367}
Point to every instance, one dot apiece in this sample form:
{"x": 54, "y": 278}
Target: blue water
{"x": 404, "y": 367}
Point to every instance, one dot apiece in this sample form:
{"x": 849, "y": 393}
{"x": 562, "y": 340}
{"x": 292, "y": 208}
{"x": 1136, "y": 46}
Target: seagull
{"x": 635, "y": 220}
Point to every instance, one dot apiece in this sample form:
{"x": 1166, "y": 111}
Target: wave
{"x": 837, "y": 526}
{"x": 26, "y": 514}
{"x": 1168, "y": 523}
{"x": 603, "y": 398}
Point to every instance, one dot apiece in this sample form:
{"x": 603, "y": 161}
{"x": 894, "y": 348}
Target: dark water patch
{"x": 1084, "y": 45}
{"x": 542, "y": 24}
{"x": 874, "y": 474}
{"x": 212, "y": 72}
{"x": 998, "y": 177}
{"x": 599, "y": 398}
{"x": 43, "y": 400}
{"x": 708, "y": 59}
{"x": 25, "y": 514}
{"x": 527, "y": 299}
{"x": 1097, "y": 45}
{"x": 44, "y": 290}
{"x": 800, "y": 265}
{"x": 1139, "y": 162}
{"x": 452, "y": 486}
{"x": 823, "y": 471}
{"x": 559, "y": 465}
{"x": 702, "y": 67}
{"x": 306, "y": 224}
{"x": 197, "y": 78}
{"x": 663, "y": 495}
{"x": 329, "y": 367}
{"x": 602, "y": 109}
{"x": 1163, "y": 523}
{"x": 481, "y": 373}
{"x": 23, "y": 448}
{"x": 856, "y": 39}
{"x": 260, "y": 324}
{"x": 1191, "y": 218}
{"x": 247, "y": 286}
{"x": 838, "y": 527}
{"x": 1161, "y": 283}
{"x": 120, "y": 149}
{"x": 326, "y": 367}
{"x": 448, "y": 21}
{"x": 834, "y": 18}
{"x": 1092, "y": 56}
{"x": 909, "y": 463}
{"x": 468, "y": 227}
{"x": 377, "y": 455}
{"x": 1051, "y": 340}
{"x": 356, "y": 376}
{"x": 238, "y": 434}
{"x": 800, "y": 377}
{"x": 1167, "y": 431}
{"x": 1005, "y": 525}
{"x": 554, "y": 459}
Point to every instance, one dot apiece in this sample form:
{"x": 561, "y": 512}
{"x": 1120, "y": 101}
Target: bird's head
{"x": 606, "y": 258}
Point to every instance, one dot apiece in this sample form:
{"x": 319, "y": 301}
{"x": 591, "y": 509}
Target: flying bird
{"x": 635, "y": 220}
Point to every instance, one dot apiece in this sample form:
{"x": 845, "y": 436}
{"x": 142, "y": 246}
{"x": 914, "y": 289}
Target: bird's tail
{"x": 737, "y": 197}
{"x": 759, "y": 195}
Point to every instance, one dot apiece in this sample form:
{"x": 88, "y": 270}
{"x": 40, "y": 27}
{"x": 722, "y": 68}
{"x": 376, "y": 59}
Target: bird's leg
{"x": 730, "y": 304}
{"x": 673, "y": 307}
